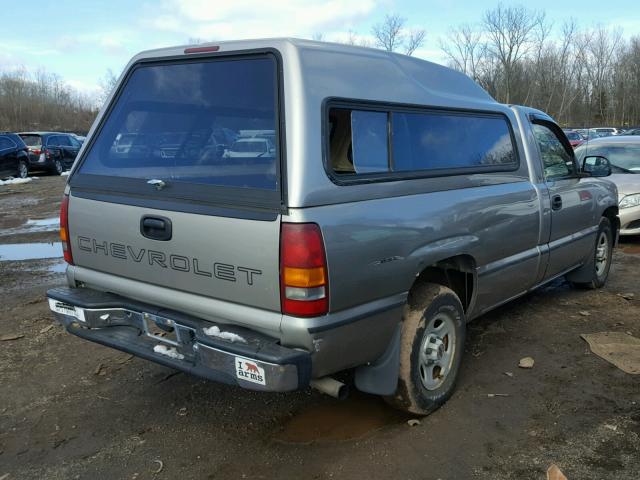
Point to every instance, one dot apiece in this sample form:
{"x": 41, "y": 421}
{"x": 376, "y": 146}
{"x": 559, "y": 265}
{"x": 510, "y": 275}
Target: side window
{"x": 63, "y": 141}
{"x": 435, "y": 140}
{"x": 53, "y": 141}
{"x": 358, "y": 141}
{"x": 370, "y": 141}
{"x": 557, "y": 162}
{"x": 5, "y": 143}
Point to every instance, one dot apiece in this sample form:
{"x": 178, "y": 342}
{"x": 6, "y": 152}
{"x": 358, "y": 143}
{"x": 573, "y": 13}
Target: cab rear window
{"x": 207, "y": 122}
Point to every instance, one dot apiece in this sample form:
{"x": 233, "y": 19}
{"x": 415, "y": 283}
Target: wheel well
{"x": 612, "y": 214}
{"x": 456, "y": 273}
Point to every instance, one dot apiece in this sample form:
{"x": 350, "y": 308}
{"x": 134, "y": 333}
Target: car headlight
{"x": 629, "y": 201}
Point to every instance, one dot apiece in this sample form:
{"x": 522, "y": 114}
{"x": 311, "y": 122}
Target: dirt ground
{"x": 71, "y": 409}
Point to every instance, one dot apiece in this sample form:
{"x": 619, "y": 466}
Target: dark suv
{"x": 51, "y": 151}
{"x": 14, "y": 160}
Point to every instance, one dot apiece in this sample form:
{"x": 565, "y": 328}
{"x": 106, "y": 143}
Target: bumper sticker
{"x": 250, "y": 371}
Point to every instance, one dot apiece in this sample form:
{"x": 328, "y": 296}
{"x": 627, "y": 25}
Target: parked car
{"x": 623, "y": 152}
{"x": 251, "y": 147}
{"x": 575, "y": 139}
{"x": 365, "y": 241}
{"x": 602, "y": 132}
{"x": 51, "y": 151}
{"x": 632, "y": 131}
{"x": 14, "y": 161}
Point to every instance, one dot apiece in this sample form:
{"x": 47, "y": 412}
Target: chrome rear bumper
{"x": 231, "y": 355}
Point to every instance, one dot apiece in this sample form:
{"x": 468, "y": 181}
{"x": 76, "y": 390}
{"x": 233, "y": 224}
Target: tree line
{"x": 580, "y": 76}
{"x": 42, "y": 101}
{"x": 583, "y": 77}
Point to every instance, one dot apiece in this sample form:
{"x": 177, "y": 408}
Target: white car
{"x": 251, "y": 147}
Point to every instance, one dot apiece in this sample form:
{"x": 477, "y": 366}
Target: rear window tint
{"x": 191, "y": 122}
{"x": 32, "y": 140}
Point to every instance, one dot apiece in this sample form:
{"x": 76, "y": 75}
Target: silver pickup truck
{"x": 287, "y": 210}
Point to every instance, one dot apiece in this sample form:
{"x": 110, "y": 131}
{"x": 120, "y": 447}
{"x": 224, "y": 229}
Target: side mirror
{"x": 596, "y": 166}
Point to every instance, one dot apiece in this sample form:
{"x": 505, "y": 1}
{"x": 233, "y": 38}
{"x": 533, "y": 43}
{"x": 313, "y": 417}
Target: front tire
{"x": 431, "y": 347}
{"x": 602, "y": 257}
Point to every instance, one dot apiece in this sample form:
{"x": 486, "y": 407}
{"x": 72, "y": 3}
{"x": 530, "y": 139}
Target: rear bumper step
{"x": 232, "y": 355}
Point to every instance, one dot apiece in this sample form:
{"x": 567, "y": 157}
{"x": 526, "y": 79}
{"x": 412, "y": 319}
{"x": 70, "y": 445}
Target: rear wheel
{"x": 602, "y": 257}
{"x": 23, "y": 169}
{"x": 431, "y": 347}
{"x": 58, "y": 167}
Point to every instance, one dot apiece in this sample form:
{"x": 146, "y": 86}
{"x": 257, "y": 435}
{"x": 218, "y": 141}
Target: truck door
{"x": 572, "y": 205}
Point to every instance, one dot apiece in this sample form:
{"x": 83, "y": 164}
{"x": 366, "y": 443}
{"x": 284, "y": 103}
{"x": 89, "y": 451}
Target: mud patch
{"x": 335, "y": 421}
{"x": 30, "y": 251}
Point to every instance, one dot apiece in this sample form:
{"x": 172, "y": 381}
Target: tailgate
{"x": 230, "y": 259}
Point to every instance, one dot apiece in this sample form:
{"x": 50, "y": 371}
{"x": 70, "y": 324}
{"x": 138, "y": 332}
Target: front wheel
{"x": 23, "y": 169}
{"x": 431, "y": 347}
{"x": 602, "y": 257}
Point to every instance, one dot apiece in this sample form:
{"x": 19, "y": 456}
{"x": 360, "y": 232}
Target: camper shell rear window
{"x": 186, "y": 122}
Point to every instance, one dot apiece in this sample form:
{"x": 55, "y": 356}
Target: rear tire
{"x": 58, "y": 168}
{"x": 602, "y": 257}
{"x": 431, "y": 347}
{"x": 23, "y": 169}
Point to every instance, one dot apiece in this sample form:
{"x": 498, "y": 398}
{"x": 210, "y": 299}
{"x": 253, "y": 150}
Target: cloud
{"x": 255, "y": 18}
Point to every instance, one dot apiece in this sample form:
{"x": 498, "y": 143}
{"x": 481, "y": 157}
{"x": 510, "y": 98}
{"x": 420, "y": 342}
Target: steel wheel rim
{"x": 602, "y": 253}
{"x": 23, "y": 170}
{"x": 58, "y": 166}
{"x": 437, "y": 351}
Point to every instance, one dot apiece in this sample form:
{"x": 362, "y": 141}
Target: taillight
{"x": 36, "y": 151}
{"x": 304, "y": 287}
{"x": 64, "y": 230}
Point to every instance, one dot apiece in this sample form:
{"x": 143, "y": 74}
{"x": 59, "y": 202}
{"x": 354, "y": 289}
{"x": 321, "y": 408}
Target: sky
{"x": 81, "y": 39}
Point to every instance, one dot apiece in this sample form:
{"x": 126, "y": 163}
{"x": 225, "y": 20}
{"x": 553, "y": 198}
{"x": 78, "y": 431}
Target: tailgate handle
{"x": 156, "y": 228}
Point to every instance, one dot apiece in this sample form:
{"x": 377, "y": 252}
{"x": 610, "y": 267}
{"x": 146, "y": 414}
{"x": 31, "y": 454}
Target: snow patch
{"x": 231, "y": 337}
{"x": 168, "y": 351}
{"x": 65, "y": 174}
{"x": 15, "y": 181}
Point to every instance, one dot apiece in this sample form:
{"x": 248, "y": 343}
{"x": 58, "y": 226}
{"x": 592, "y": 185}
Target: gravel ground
{"x": 71, "y": 409}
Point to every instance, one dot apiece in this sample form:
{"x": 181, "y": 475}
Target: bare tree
{"x": 388, "y": 34}
{"x": 391, "y": 35}
{"x": 415, "y": 40}
{"x": 107, "y": 84}
{"x": 509, "y": 30}
{"x": 465, "y": 49}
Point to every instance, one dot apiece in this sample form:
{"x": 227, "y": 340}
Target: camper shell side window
{"x": 369, "y": 142}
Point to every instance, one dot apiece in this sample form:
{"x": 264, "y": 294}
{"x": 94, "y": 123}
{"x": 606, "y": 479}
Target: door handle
{"x": 156, "y": 228}
{"x": 556, "y": 202}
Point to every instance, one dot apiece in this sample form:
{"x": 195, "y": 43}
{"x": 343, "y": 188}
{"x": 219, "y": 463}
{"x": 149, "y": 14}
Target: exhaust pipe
{"x": 331, "y": 387}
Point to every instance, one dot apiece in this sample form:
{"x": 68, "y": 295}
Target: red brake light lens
{"x": 201, "y": 49}
{"x": 304, "y": 288}
{"x": 65, "y": 237}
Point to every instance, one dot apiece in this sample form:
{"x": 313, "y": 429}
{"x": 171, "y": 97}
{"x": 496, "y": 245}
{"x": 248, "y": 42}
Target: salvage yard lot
{"x": 72, "y": 409}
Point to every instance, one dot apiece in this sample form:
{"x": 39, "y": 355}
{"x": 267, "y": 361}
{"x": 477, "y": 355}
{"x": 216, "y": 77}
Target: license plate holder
{"x": 160, "y": 329}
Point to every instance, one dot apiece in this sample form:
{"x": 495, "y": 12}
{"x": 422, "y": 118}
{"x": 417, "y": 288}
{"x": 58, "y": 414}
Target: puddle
{"x": 51, "y": 224}
{"x": 335, "y": 421}
{"x": 30, "y": 251}
{"x": 57, "y": 268}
